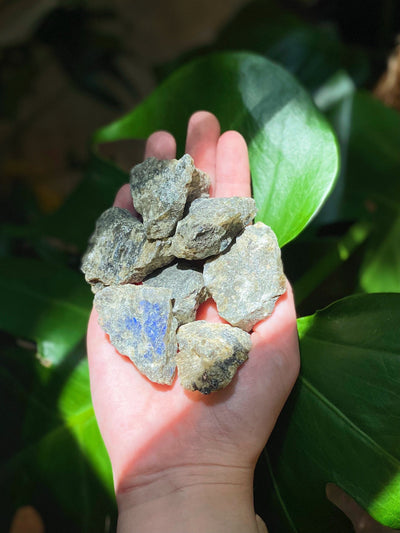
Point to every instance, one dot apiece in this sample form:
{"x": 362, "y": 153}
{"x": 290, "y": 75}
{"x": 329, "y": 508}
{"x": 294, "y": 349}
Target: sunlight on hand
{"x": 149, "y": 428}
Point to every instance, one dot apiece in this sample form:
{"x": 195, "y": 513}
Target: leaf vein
{"x": 352, "y": 425}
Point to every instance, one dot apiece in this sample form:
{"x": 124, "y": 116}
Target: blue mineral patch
{"x": 154, "y": 325}
{"x": 138, "y": 326}
{"x": 148, "y": 355}
{"x": 132, "y": 324}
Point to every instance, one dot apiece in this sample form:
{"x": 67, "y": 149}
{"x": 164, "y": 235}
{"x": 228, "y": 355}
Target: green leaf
{"x": 293, "y": 151}
{"x": 55, "y": 458}
{"x": 373, "y": 161}
{"x": 342, "y": 422}
{"x": 76, "y": 410}
{"x": 45, "y": 303}
{"x": 380, "y": 270}
{"x": 328, "y": 260}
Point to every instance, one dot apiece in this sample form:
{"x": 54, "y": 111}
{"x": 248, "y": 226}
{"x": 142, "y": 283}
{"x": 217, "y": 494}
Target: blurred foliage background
{"x": 67, "y": 68}
{"x": 70, "y": 67}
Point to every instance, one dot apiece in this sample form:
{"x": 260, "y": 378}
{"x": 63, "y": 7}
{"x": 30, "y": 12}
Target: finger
{"x": 208, "y": 311}
{"x": 27, "y": 520}
{"x": 232, "y": 166}
{"x": 360, "y": 519}
{"x": 201, "y": 141}
{"x": 262, "y": 528}
{"x": 160, "y": 144}
{"x": 123, "y": 199}
{"x": 343, "y": 501}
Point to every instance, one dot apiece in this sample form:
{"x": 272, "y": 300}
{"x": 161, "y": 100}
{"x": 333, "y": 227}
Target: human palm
{"x": 151, "y": 429}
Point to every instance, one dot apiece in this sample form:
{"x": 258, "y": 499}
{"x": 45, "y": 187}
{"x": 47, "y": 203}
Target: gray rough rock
{"x": 141, "y": 325}
{"x": 210, "y": 354}
{"x": 246, "y": 281}
{"x": 153, "y": 255}
{"x": 118, "y": 251}
{"x": 160, "y": 190}
{"x": 211, "y": 225}
{"x": 245, "y": 276}
{"x": 187, "y": 286}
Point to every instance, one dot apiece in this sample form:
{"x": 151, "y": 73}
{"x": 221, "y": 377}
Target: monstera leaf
{"x": 341, "y": 423}
{"x": 293, "y": 151}
{"x": 56, "y": 459}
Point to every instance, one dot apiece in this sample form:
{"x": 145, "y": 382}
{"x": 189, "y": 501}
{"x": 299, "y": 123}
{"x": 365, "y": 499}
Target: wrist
{"x": 188, "y": 499}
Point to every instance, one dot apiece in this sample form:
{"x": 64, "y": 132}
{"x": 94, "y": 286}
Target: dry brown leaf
{"x": 388, "y": 87}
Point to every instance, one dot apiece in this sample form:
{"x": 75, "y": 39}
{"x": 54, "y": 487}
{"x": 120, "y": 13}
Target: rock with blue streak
{"x": 141, "y": 325}
{"x": 183, "y": 226}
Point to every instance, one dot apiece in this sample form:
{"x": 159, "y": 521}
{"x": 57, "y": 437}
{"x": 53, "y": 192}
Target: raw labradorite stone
{"x": 246, "y": 281}
{"x": 187, "y": 286}
{"x": 118, "y": 251}
{"x": 113, "y": 248}
{"x": 141, "y": 325}
{"x": 210, "y": 354}
{"x": 160, "y": 190}
{"x": 153, "y": 255}
{"x": 183, "y": 226}
{"x": 210, "y": 226}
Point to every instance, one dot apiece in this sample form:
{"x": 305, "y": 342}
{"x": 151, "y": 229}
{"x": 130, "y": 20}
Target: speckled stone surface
{"x": 246, "y": 281}
{"x": 160, "y": 190}
{"x": 210, "y": 226}
{"x": 141, "y": 325}
{"x": 210, "y": 354}
{"x": 118, "y": 251}
{"x": 243, "y": 274}
{"x": 187, "y": 286}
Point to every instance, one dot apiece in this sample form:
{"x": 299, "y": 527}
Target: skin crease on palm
{"x": 152, "y": 430}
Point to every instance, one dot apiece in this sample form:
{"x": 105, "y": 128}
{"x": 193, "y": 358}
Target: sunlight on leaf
{"x": 326, "y": 264}
{"x": 388, "y": 499}
{"x": 293, "y": 151}
{"x": 45, "y": 303}
{"x": 341, "y": 423}
{"x": 76, "y": 408}
{"x": 380, "y": 271}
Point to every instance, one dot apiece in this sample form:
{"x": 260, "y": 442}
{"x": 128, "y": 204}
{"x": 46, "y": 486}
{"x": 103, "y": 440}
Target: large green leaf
{"x": 293, "y": 152}
{"x": 342, "y": 422}
{"x": 380, "y": 270}
{"x": 373, "y": 156}
{"x": 45, "y": 303}
{"x": 53, "y": 456}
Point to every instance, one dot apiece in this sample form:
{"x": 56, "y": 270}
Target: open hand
{"x": 164, "y": 438}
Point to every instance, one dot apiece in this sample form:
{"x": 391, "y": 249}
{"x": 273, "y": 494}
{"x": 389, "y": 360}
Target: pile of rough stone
{"x": 148, "y": 309}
